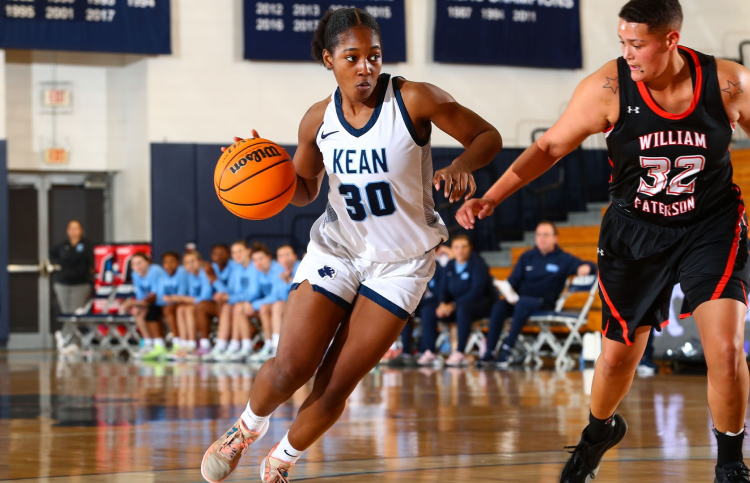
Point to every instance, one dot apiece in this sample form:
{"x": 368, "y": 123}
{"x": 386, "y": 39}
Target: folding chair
{"x": 571, "y": 319}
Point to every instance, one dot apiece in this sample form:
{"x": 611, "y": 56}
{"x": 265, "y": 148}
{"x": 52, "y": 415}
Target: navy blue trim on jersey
{"x": 318, "y": 131}
{"x": 405, "y": 115}
{"x": 369, "y": 293}
{"x": 383, "y": 81}
{"x": 331, "y": 296}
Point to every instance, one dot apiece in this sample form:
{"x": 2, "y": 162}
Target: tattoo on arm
{"x": 733, "y": 89}
{"x": 613, "y": 84}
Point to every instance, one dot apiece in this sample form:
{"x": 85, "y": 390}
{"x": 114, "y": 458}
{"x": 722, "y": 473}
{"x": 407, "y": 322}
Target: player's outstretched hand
{"x": 253, "y": 134}
{"x": 458, "y": 182}
{"x": 471, "y": 210}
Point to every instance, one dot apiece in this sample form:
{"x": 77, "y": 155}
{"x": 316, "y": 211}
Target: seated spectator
{"x": 221, "y": 263}
{"x": 538, "y": 278}
{"x": 167, "y": 295}
{"x": 195, "y": 291}
{"x": 404, "y": 356}
{"x": 287, "y": 259}
{"x": 148, "y": 315}
{"x": 261, "y": 304}
{"x": 218, "y": 272}
{"x": 233, "y": 322}
{"x": 465, "y": 294}
{"x": 426, "y": 310}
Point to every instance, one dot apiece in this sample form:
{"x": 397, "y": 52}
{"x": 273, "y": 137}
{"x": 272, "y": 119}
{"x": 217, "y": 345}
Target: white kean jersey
{"x": 380, "y": 205}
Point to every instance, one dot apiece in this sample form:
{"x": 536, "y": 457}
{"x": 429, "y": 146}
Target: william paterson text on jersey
{"x": 671, "y": 209}
{"x": 673, "y": 138}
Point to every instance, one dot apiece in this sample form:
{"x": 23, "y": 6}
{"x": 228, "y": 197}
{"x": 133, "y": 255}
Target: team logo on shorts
{"x": 327, "y": 272}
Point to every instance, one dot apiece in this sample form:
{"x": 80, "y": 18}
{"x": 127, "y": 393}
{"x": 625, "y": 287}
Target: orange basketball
{"x": 255, "y": 178}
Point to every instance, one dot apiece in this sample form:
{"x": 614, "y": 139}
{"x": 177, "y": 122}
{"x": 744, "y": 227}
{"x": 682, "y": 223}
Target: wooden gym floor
{"x": 82, "y": 422}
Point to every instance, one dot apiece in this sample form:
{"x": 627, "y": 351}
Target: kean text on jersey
{"x": 359, "y": 161}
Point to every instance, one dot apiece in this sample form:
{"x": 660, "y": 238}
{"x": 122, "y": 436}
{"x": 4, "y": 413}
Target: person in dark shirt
{"x": 538, "y": 278}
{"x": 465, "y": 294}
{"x": 73, "y": 281}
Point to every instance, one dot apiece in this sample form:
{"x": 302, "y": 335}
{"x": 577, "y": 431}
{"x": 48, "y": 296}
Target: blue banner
{"x": 283, "y": 30}
{"x": 123, "y": 26}
{"x": 533, "y": 33}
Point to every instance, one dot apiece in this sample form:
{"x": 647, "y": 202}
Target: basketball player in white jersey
{"x": 376, "y": 239}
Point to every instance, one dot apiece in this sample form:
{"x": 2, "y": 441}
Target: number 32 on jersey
{"x": 659, "y": 168}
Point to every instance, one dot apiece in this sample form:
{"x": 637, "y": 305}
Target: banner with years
{"x": 533, "y": 33}
{"x": 283, "y": 29}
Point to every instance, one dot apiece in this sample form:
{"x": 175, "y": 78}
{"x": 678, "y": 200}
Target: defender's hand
{"x": 471, "y": 210}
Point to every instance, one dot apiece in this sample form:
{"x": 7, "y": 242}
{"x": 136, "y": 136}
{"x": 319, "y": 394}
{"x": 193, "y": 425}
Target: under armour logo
{"x": 600, "y": 252}
{"x": 636, "y": 110}
{"x": 327, "y": 272}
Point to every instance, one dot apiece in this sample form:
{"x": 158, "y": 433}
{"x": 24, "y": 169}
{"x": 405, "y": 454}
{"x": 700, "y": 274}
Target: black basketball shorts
{"x": 640, "y": 263}
{"x": 154, "y": 313}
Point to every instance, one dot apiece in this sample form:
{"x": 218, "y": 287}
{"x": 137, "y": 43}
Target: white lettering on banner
{"x": 569, "y": 4}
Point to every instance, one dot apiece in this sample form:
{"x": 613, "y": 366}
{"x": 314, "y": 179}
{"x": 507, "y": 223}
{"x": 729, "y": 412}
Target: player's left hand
{"x": 458, "y": 182}
{"x": 584, "y": 270}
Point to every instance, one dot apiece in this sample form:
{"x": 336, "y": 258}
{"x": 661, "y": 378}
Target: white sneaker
{"x": 225, "y": 356}
{"x": 240, "y": 356}
{"x": 212, "y": 355}
{"x": 265, "y": 353}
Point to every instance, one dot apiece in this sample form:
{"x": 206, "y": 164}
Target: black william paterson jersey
{"x": 672, "y": 169}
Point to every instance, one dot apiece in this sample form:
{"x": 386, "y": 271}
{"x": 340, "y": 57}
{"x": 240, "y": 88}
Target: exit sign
{"x": 57, "y": 98}
{"x": 56, "y": 156}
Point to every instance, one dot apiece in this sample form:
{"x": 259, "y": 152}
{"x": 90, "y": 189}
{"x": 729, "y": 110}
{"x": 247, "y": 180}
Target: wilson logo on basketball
{"x": 258, "y": 155}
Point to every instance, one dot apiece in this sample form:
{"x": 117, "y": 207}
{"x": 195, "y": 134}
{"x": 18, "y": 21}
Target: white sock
{"x": 247, "y": 344}
{"x": 221, "y": 345}
{"x": 148, "y": 342}
{"x": 159, "y": 342}
{"x": 176, "y": 342}
{"x": 205, "y": 344}
{"x": 252, "y": 422}
{"x": 285, "y": 452}
{"x": 275, "y": 341}
{"x": 233, "y": 346}
{"x": 190, "y": 345}
{"x": 267, "y": 342}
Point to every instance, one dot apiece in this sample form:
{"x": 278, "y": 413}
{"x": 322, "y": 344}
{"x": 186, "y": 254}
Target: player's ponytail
{"x": 336, "y": 22}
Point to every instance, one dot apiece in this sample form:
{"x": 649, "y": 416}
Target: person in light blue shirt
{"x": 234, "y": 322}
{"x": 170, "y": 285}
{"x": 222, "y": 264}
{"x": 286, "y": 258}
{"x": 148, "y": 315}
{"x": 196, "y": 289}
{"x": 269, "y": 276}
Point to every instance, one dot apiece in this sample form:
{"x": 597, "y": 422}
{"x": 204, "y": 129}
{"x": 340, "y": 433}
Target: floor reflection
{"x": 61, "y": 418}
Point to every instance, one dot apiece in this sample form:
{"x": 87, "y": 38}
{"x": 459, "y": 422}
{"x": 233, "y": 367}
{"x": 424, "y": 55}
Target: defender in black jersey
{"x": 668, "y": 113}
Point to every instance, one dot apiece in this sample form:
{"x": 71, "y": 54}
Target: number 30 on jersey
{"x": 379, "y": 200}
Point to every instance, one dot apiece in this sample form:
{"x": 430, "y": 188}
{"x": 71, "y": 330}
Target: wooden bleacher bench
{"x": 587, "y": 252}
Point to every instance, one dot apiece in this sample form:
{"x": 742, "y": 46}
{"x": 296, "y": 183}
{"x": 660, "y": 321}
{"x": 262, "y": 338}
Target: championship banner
{"x": 123, "y": 26}
{"x": 283, "y": 30}
{"x": 531, "y": 33}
